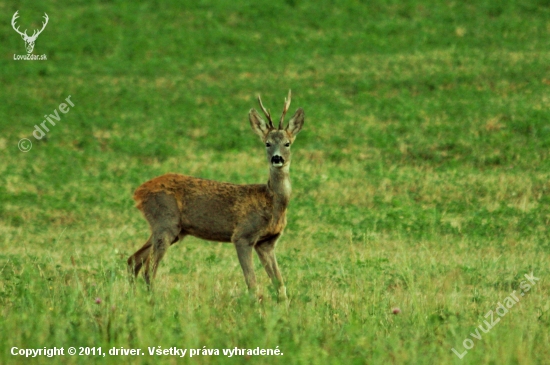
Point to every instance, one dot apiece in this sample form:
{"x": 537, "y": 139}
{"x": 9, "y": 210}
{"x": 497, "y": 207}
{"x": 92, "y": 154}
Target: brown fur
{"x": 249, "y": 216}
{"x": 212, "y": 210}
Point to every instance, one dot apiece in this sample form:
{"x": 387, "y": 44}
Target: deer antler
{"x": 35, "y": 33}
{"x": 266, "y": 112}
{"x": 43, "y": 26}
{"x": 15, "y": 16}
{"x": 285, "y": 109}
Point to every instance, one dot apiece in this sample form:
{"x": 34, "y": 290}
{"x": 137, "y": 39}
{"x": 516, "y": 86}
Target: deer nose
{"x": 277, "y": 160}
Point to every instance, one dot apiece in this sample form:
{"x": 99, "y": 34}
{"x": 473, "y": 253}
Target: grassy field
{"x": 420, "y": 179}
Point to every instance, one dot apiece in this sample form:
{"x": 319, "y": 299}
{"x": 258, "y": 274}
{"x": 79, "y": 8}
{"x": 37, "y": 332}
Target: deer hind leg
{"x": 136, "y": 261}
{"x": 141, "y": 257}
{"x": 160, "y": 243}
{"x": 266, "y": 253}
{"x": 162, "y": 212}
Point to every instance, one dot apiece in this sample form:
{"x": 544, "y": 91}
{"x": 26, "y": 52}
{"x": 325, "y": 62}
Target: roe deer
{"x": 249, "y": 216}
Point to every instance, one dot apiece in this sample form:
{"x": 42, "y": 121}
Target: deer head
{"x": 277, "y": 140}
{"x": 29, "y": 40}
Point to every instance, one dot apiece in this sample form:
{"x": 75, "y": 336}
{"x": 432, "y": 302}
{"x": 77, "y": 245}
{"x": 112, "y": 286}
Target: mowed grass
{"x": 420, "y": 179}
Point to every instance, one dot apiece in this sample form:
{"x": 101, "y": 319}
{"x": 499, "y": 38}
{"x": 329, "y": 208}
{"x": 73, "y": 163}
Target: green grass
{"x": 420, "y": 179}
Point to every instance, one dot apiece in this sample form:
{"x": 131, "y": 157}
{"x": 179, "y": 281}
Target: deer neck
{"x": 279, "y": 185}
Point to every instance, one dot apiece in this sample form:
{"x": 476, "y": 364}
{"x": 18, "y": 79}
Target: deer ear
{"x": 259, "y": 126}
{"x": 296, "y": 122}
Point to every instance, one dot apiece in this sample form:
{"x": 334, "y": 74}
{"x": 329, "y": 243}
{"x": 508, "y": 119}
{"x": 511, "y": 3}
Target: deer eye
{"x": 267, "y": 144}
{"x": 287, "y": 144}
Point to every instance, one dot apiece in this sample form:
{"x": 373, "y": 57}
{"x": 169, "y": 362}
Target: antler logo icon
{"x": 29, "y": 41}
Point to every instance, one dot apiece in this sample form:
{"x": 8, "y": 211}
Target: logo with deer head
{"x": 29, "y": 40}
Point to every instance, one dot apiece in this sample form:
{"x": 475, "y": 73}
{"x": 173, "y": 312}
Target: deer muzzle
{"x": 277, "y": 161}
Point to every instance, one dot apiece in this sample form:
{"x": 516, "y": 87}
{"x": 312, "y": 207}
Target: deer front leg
{"x": 266, "y": 253}
{"x": 244, "y": 252}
